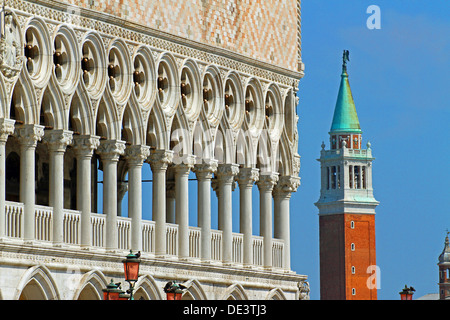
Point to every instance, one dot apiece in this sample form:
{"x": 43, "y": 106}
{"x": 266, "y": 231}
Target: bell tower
{"x": 346, "y": 206}
{"x": 444, "y": 271}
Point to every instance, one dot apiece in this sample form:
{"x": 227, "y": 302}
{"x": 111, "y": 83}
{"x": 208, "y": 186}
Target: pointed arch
{"x": 194, "y": 291}
{"x": 264, "y": 153}
{"x": 107, "y": 122}
{"x": 90, "y": 286}
{"x": 133, "y": 130}
{"x": 224, "y": 147}
{"x": 284, "y": 157}
{"x": 80, "y": 118}
{"x": 202, "y": 139}
{"x": 245, "y": 155}
{"x": 157, "y": 132}
{"x": 37, "y": 283}
{"x": 235, "y": 292}
{"x": 276, "y": 294}
{"x": 53, "y": 107}
{"x": 180, "y": 137}
{"x": 23, "y": 101}
{"x": 148, "y": 289}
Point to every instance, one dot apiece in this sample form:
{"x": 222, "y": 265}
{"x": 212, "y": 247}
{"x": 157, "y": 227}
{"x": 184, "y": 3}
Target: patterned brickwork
{"x": 266, "y": 30}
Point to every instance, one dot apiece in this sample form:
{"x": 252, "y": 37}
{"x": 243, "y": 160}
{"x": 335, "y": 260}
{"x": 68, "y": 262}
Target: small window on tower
{"x": 333, "y": 177}
{"x": 364, "y": 180}
{"x": 350, "y": 172}
{"x": 339, "y": 177}
{"x": 328, "y": 178}
{"x": 353, "y": 270}
{"x": 352, "y": 224}
{"x": 353, "y": 291}
{"x": 353, "y": 246}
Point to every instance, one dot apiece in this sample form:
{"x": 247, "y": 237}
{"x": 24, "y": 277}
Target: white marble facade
{"x": 84, "y": 97}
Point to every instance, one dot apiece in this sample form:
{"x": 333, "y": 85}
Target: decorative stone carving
{"x": 286, "y": 185}
{"x": 160, "y": 159}
{"x": 85, "y": 144}
{"x": 111, "y": 149}
{"x": 10, "y": 47}
{"x": 267, "y": 182}
{"x": 6, "y": 129}
{"x": 227, "y": 172}
{"x": 206, "y": 169}
{"x": 136, "y": 155}
{"x": 29, "y": 134}
{"x": 304, "y": 290}
{"x": 247, "y": 176}
{"x": 58, "y": 140}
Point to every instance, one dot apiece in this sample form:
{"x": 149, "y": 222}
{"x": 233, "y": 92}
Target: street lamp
{"x": 112, "y": 291}
{"x": 406, "y": 293}
{"x": 173, "y": 290}
{"x": 131, "y": 270}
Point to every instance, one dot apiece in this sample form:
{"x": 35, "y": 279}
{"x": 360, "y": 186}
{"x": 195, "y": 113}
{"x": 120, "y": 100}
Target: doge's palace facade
{"x": 99, "y": 99}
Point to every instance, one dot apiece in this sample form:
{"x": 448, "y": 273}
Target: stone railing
{"x": 72, "y": 230}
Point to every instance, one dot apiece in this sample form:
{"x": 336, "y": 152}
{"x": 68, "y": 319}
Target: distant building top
{"x": 445, "y": 255}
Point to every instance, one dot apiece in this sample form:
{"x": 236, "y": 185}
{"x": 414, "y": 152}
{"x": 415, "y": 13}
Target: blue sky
{"x": 400, "y": 80}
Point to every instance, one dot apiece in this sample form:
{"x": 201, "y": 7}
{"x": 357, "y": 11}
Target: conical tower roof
{"x": 345, "y": 118}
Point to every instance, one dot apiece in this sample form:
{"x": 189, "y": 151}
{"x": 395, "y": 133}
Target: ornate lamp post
{"x": 173, "y": 290}
{"x": 131, "y": 270}
{"x": 407, "y": 293}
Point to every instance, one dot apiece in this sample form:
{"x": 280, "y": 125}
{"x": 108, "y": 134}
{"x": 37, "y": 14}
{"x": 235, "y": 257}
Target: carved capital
{"x": 136, "y": 155}
{"x": 205, "y": 169}
{"x": 57, "y": 140}
{"x": 185, "y": 166}
{"x": 266, "y": 182}
{"x": 227, "y": 172}
{"x": 111, "y": 149}
{"x": 286, "y": 185}
{"x": 160, "y": 159}
{"x": 247, "y": 177}
{"x": 6, "y": 129}
{"x": 84, "y": 145}
{"x": 29, "y": 134}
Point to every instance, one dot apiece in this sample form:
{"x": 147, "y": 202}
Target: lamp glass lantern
{"x": 112, "y": 291}
{"x": 131, "y": 267}
{"x": 406, "y": 293}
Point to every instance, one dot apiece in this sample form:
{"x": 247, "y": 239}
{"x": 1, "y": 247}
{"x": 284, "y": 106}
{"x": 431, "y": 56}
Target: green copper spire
{"x": 345, "y": 118}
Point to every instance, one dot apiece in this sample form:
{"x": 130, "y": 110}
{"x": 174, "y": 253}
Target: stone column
{"x": 170, "y": 201}
{"x": 182, "y": 171}
{"x": 282, "y": 195}
{"x": 204, "y": 174}
{"x": 57, "y": 141}
{"x": 225, "y": 179}
{"x": 6, "y": 129}
{"x": 110, "y": 151}
{"x": 135, "y": 155}
{"x": 159, "y": 161}
{"x": 83, "y": 147}
{"x": 29, "y": 135}
{"x": 265, "y": 184}
{"x": 246, "y": 178}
